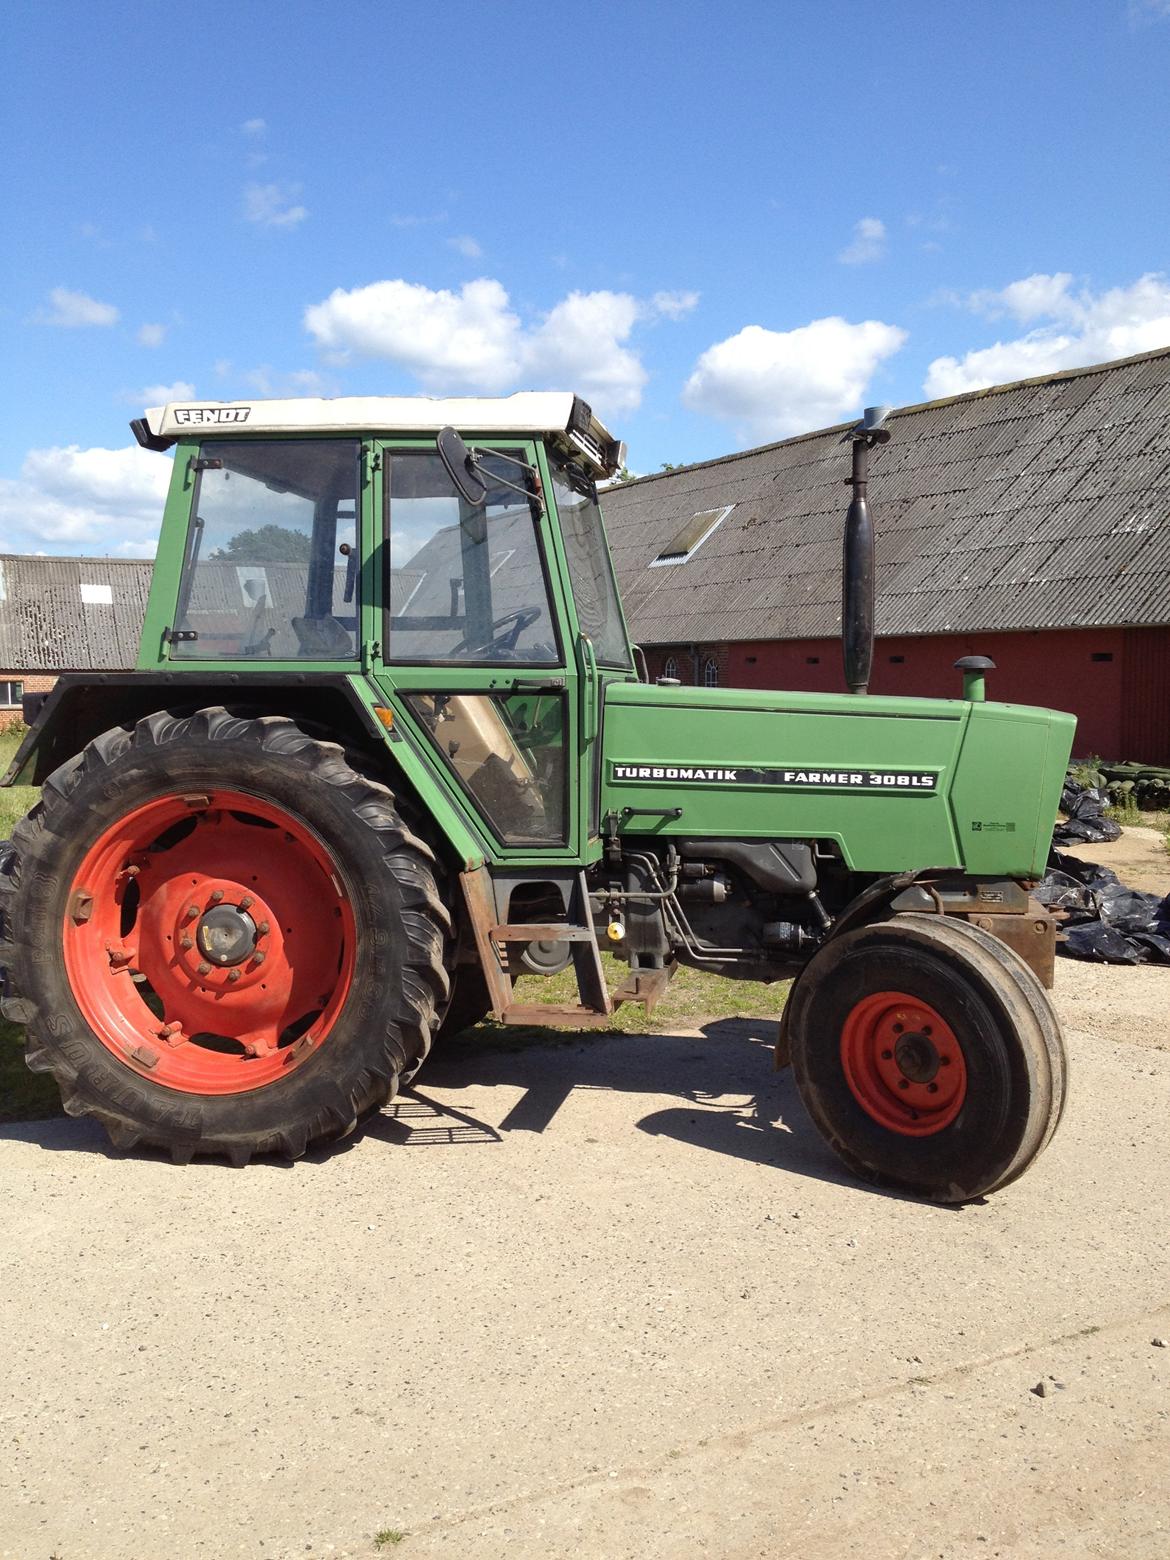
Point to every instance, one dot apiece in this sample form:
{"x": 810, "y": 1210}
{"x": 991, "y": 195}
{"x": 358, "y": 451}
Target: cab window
{"x": 271, "y": 568}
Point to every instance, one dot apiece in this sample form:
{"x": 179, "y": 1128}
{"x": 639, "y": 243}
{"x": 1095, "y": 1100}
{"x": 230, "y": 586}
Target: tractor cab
{"x": 465, "y": 572}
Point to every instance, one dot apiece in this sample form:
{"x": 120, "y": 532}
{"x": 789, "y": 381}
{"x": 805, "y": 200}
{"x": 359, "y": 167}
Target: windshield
{"x": 271, "y": 564}
{"x": 590, "y": 569}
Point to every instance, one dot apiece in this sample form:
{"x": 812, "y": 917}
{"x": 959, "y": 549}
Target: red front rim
{"x": 903, "y": 1064}
{"x": 209, "y": 942}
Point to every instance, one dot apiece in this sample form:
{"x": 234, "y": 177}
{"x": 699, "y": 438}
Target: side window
{"x": 711, "y": 674}
{"x": 508, "y": 751}
{"x": 466, "y": 584}
{"x": 271, "y": 570}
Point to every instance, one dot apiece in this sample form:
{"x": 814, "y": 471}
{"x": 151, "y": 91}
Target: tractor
{"x": 388, "y": 748}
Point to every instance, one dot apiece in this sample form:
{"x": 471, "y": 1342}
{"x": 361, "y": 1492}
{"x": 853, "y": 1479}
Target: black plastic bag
{"x": 1104, "y": 944}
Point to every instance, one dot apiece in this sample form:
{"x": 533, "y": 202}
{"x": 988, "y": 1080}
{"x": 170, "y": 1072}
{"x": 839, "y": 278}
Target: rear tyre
{"x": 928, "y": 1056}
{"x": 469, "y": 1002}
{"x": 221, "y": 938}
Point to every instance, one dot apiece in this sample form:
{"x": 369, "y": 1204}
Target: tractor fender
{"x": 336, "y": 706}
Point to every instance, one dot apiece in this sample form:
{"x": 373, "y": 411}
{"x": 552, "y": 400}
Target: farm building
{"x": 1029, "y": 522}
{"x": 67, "y": 615}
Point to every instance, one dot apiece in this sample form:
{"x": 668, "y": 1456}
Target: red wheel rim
{"x": 209, "y": 942}
{"x": 903, "y": 1064}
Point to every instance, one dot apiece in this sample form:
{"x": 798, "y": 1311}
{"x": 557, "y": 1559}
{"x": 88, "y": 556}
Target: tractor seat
{"x": 322, "y": 637}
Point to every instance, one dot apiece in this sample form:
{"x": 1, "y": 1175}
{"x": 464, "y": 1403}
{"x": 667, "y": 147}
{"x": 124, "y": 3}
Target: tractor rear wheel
{"x": 221, "y": 938}
{"x": 928, "y": 1056}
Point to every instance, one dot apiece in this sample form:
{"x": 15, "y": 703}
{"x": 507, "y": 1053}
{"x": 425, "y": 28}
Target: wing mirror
{"x": 461, "y": 466}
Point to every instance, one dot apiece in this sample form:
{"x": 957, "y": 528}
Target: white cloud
{"x": 74, "y": 309}
{"x": 466, "y": 246}
{"x": 868, "y": 243}
{"x": 159, "y": 395}
{"x": 674, "y": 304}
{"x": 473, "y": 340}
{"x": 1070, "y": 329}
{"x": 467, "y": 340}
{"x": 254, "y": 127}
{"x": 99, "y": 499}
{"x": 273, "y": 205}
{"x": 151, "y": 335}
{"x": 579, "y": 345}
{"x": 770, "y": 384}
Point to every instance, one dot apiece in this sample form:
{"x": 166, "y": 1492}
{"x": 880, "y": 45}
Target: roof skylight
{"x": 686, "y": 542}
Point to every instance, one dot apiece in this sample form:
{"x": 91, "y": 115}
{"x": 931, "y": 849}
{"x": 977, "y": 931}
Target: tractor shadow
{"x": 731, "y": 1099}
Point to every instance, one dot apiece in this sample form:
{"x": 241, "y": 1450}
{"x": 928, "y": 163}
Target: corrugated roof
{"x": 71, "y": 614}
{"x": 1041, "y": 504}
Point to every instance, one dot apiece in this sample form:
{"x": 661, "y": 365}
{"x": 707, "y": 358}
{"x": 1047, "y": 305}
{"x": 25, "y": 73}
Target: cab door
{"x": 472, "y": 649}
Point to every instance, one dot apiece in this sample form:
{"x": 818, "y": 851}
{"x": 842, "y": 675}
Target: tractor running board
{"x": 492, "y": 937}
{"x": 565, "y": 1015}
{"x": 645, "y": 986}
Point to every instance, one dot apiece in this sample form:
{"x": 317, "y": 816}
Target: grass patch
{"x": 16, "y": 800}
{"x": 388, "y": 1536}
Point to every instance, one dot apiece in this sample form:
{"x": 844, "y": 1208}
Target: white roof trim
{"x": 526, "y": 412}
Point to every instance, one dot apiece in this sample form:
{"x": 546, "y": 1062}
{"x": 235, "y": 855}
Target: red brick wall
{"x": 1116, "y": 681}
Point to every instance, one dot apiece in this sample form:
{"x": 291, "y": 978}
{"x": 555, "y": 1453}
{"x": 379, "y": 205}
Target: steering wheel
{"x": 521, "y": 619}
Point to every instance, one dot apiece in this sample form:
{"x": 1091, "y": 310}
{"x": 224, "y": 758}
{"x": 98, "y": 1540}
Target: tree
{"x": 266, "y": 544}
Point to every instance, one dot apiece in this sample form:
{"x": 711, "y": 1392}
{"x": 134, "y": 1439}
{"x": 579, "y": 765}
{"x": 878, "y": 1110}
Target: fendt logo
{"x": 212, "y": 416}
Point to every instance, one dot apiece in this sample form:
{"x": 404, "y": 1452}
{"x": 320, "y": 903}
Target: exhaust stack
{"x": 858, "y": 555}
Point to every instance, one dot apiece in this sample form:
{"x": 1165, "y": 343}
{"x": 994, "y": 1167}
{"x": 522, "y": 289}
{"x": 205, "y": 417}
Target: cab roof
{"x": 560, "y": 415}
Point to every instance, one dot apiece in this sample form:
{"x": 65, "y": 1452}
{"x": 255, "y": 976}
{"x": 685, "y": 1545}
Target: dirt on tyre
{"x": 928, "y": 1056}
{"x": 220, "y": 936}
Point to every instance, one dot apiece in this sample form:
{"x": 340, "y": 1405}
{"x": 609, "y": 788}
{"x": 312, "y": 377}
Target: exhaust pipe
{"x": 858, "y": 555}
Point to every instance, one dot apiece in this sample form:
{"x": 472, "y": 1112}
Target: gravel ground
{"x": 600, "y": 1299}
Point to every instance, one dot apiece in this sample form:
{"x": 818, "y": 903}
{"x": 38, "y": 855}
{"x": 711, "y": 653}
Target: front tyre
{"x": 221, "y": 937}
{"x": 928, "y": 1056}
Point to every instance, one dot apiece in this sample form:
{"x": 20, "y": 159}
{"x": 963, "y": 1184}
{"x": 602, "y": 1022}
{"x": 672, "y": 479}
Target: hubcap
{"x": 210, "y": 942}
{"x": 226, "y": 935}
{"x": 903, "y": 1064}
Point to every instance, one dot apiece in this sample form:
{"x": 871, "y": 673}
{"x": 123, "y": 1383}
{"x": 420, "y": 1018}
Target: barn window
{"x": 686, "y": 541}
{"x": 670, "y": 667}
{"x": 11, "y": 694}
{"x": 710, "y": 674}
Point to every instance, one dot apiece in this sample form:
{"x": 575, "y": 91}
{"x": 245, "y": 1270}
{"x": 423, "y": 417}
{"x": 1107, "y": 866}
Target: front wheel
{"x": 928, "y": 1056}
{"x": 221, "y": 937}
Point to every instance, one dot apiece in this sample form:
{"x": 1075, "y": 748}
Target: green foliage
{"x": 267, "y": 544}
{"x": 388, "y": 1536}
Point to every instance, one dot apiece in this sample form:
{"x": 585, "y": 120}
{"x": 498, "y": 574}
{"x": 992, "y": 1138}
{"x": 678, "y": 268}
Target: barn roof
{"x": 1040, "y": 504}
{"x": 71, "y": 614}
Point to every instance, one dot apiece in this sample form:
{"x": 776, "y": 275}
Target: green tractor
{"x": 387, "y": 748}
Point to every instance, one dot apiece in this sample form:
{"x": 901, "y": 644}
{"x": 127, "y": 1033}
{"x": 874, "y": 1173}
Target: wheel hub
{"x": 226, "y": 935}
{"x": 903, "y": 1063}
{"x": 916, "y": 1057}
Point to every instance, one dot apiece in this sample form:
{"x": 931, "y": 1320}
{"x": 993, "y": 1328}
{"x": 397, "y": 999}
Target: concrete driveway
{"x": 607, "y": 1298}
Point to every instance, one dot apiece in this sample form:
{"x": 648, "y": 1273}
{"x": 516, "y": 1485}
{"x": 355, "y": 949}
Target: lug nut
{"x": 887, "y": 1056}
{"x": 186, "y": 942}
{"x": 192, "y": 912}
{"x": 258, "y": 956}
{"x": 247, "y": 902}
{"x": 204, "y": 968}
{"x": 216, "y": 895}
{"x": 263, "y": 929}
{"x": 905, "y": 1083}
{"x": 233, "y": 975}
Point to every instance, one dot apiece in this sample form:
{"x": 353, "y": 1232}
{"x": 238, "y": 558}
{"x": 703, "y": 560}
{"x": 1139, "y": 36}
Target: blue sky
{"x": 721, "y": 224}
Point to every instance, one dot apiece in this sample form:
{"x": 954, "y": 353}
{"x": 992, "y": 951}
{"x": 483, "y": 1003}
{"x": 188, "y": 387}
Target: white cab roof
{"x": 535, "y": 412}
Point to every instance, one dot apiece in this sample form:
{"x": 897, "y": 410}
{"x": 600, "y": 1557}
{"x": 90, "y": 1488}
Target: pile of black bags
{"x": 1087, "y": 824}
{"x": 1105, "y": 921}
